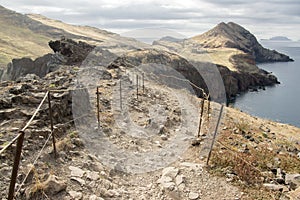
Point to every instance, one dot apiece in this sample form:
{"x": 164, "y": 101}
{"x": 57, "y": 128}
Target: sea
{"x": 281, "y": 102}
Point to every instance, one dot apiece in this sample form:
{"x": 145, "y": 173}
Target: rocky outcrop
{"x": 236, "y": 82}
{"x": 232, "y": 35}
{"x": 67, "y": 51}
{"x": 73, "y": 52}
{"x": 21, "y": 67}
{"x": 167, "y": 67}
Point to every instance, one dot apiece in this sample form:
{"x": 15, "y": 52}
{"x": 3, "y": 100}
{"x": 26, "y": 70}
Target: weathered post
{"x": 137, "y": 87}
{"x": 16, "y": 166}
{"x": 143, "y": 83}
{"x": 51, "y": 124}
{"x": 201, "y": 113}
{"x": 121, "y": 94}
{"x": 98, "y": 108}
{"x": 208, "y": 109}
{"x": 215, "y": 134}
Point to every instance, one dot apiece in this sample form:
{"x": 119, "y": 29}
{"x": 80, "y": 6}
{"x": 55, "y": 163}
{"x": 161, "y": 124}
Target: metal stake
{"x": 137, "y": 87}
{"x": 120, "y": 94}
{"x": 98, "y": 108}
{"x": 51, "y": 123}
{"x": 215, "y": 134}
{"x": 200, "y": 120}
{"x": 16, "y": 166}
{"x": 208, "y": 109}
{"x": 143, "y": 83}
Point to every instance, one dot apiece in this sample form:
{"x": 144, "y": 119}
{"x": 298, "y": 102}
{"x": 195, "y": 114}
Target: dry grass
{"x": 266, "y": 151}
{"x": 18, "y": 42}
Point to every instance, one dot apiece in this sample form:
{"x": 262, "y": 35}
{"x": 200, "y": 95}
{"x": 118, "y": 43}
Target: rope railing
{"x": 26, "y": 126}
{"x": 20, "y": 138}
{"x": 34, "y": 162}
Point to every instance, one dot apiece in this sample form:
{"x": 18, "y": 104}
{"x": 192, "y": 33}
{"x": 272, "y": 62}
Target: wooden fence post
{"x": 51, "y": 123}
{"x": 16, "y": 166}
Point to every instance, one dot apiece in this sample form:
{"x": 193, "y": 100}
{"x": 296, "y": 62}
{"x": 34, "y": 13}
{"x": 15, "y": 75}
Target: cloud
{"x": 264, "y": 18}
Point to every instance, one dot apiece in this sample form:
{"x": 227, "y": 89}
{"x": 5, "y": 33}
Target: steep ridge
{"x": 232, "y": 35}
{"x": 234, "y": 51}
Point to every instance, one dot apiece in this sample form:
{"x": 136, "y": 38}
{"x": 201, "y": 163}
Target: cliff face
{"x": 67, "y": 52}
{"x": 234, "y": 50}
{"x": 232, "y": 35}
{"x": 21, "y": 67}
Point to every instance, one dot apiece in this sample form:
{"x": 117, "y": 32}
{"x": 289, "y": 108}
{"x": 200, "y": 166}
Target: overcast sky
{"x": 188, "y": 17}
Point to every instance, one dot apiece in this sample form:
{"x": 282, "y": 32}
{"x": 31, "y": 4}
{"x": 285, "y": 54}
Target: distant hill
{"x": 19, "y": 38}
{"x": 170, "y": 39}
{"x": 28, "y": 35}
{"x": 280, "y": 38}
{"x": 232, "y": 35}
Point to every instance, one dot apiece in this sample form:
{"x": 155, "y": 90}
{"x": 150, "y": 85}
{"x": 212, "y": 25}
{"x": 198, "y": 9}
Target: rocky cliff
{"x": 235, "y": 52}
{"x": 66, "y": 52}
{"x": 232, "y": 35}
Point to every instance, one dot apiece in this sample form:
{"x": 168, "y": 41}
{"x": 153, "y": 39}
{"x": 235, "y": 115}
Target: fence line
{"x": 17, "y": 158}
{"x": 20, "y": 138}
{"x": 27, "y": 124}
{"x": 34, "y": 162}
{"x": 215, "y": 133}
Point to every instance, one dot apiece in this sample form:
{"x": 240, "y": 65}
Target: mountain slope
{"x": 232, "y": 35}
{"x": 28, "y": 35}
{"x": 17, "y": 39}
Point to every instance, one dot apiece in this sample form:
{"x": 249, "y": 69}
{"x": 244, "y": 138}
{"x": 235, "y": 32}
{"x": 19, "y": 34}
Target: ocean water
{"x": 280, "y": 102}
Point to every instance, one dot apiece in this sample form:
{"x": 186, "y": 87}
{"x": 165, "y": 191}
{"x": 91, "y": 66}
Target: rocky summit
{"x": 232, "y": 35}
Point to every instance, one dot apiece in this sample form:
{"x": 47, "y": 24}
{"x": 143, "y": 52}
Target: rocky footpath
{"x": 252, "y": 159}
{"x": 79, "y": 174}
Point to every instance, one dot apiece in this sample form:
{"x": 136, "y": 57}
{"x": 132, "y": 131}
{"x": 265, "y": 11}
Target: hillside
{"x": 18, "y": 39}
{"x": 147, "y": 149}
{"x": 232, "y": 35}
{"x": 28, "y": 35}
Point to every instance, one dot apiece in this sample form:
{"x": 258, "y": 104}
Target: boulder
{"x": 193, "y": 195}
{"x": 23, "y": 66}
{"x": 76, "y": 195}
{"x": 170, "y": 171}
{"x": 275, "y": 187}
{"x": 73, "y": 52}
{"x": 51, "y": 186}
{"x": 293, "y": 180}
{"x": 5, "y": 103}
{"x": 76, "y": 171}
{"x": 94, "y": 197}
